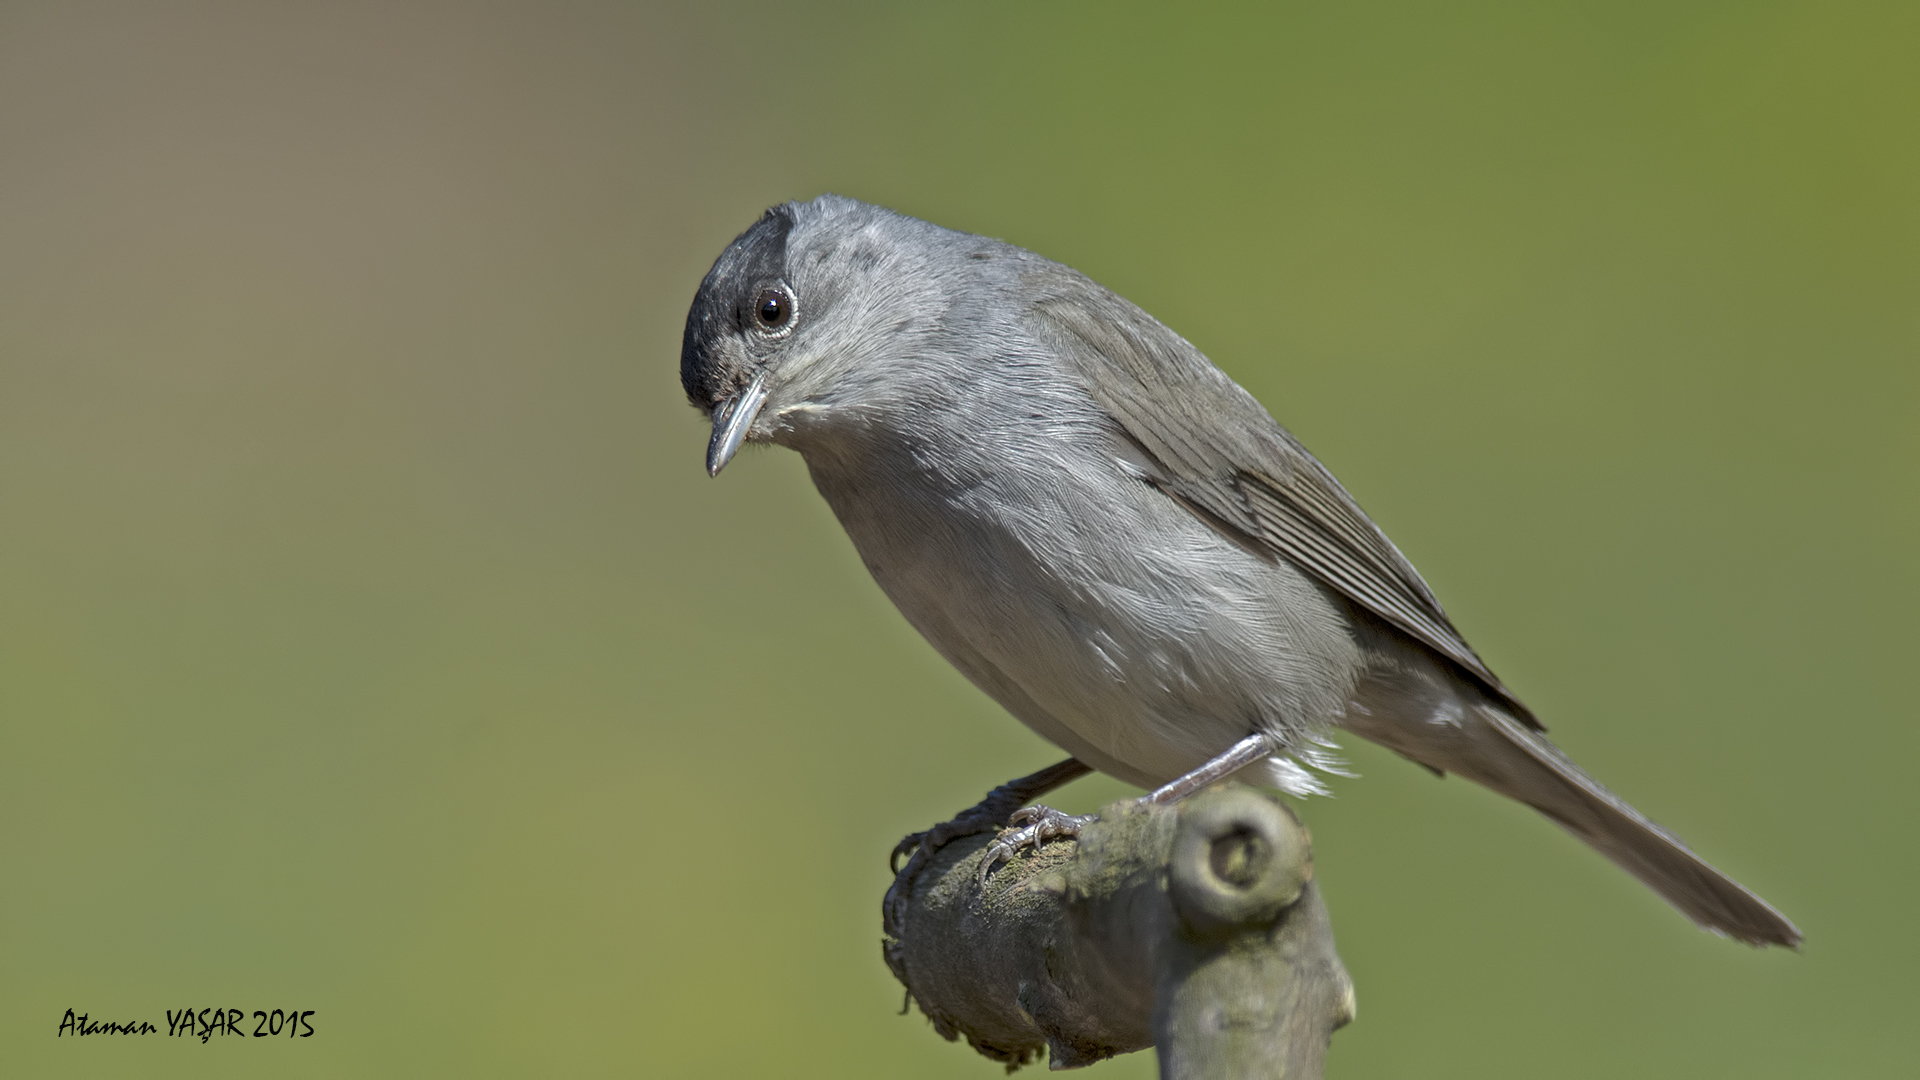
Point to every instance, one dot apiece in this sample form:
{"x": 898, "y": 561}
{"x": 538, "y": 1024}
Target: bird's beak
{"x": 731, "y": 421}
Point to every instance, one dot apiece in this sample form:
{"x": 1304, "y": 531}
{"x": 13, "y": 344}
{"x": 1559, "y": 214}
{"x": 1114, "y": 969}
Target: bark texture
{"x": 1194, "y": 928}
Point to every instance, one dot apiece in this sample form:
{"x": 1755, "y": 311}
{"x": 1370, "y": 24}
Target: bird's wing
{"x": 1217, "y": 452}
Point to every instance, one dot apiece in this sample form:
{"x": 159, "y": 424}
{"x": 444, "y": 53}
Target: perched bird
{"x": 1110, "y": 537}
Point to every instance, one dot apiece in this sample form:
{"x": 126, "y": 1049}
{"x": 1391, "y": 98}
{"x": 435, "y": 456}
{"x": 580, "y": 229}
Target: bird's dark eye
{"x": 773, "y": 309}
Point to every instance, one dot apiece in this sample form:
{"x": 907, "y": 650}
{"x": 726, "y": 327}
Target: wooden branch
{"x": 1194, "y": 928}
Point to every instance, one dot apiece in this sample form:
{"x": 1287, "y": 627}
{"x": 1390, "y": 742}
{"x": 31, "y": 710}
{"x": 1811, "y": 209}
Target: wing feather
{"x": 1217, "y": 452}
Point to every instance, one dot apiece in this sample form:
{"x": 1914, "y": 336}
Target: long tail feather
{"x": 1483, "y": 743}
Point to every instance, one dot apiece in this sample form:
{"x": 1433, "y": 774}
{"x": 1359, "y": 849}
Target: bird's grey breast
{"x": 1007, "y": 517}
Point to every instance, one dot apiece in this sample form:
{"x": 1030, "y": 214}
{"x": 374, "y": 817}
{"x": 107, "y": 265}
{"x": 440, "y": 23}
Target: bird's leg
{"x": 991, "y": 813}
{"x": 1031, "y": 826}
{"x": 1238, "y": 756}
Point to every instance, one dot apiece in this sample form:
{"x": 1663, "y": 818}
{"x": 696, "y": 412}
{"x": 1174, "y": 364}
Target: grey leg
{"x": 991, "y": 813}
{"x": 1238, "y": 756}
{"x": 1035, "y": 825}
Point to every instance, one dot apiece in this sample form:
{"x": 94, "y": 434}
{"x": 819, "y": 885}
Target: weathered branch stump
{"x": 1195, "y": 928}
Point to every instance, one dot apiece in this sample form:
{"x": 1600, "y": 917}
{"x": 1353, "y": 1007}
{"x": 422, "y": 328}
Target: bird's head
{"x": 810, "y": 319}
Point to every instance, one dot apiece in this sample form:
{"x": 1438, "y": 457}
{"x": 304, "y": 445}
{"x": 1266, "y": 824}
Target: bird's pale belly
{"x": 1142, "y": 659}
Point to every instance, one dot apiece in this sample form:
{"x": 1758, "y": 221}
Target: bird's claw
{"x": 1031, "y": 826}
{"x": 908, "y": 844}
{"x": 922, "y": 845}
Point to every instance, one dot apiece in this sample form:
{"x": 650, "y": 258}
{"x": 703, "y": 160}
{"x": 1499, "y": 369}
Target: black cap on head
{"x": 755, "y": 260}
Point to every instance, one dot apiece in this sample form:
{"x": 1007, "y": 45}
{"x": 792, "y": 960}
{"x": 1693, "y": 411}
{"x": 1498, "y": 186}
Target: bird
{"x": 1111, "y": 538}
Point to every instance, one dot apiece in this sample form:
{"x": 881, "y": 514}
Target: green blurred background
{"x": 372, "y": 642}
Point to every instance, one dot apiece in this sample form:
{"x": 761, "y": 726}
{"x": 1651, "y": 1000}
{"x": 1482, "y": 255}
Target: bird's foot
{"x": 990, "y": 814}
{"x": 1032, "y": 826}
{"x": 924, "y": 844}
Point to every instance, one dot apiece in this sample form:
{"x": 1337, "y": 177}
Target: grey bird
{"x": 1110, "y": 537}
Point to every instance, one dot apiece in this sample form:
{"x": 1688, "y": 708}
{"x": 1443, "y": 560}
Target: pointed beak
{"x": 731, "y": 421}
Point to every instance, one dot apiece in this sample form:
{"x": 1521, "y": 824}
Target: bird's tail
{"x": 1483, "y": 743}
